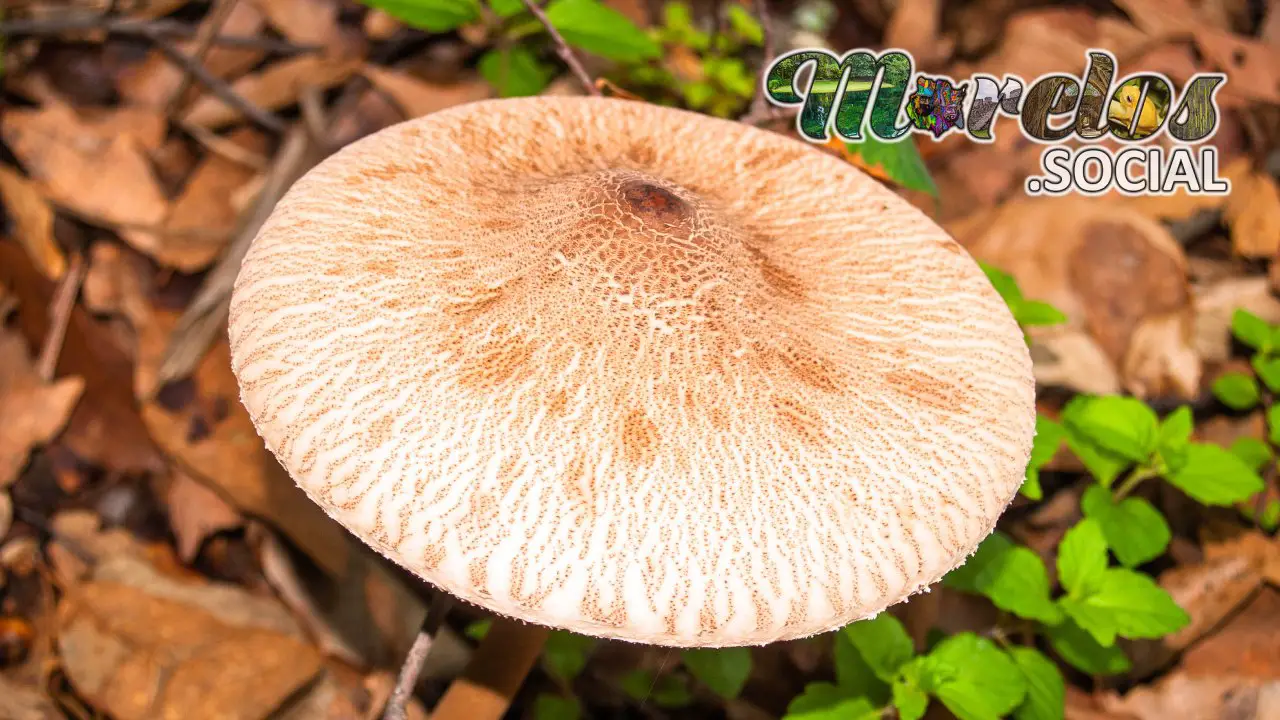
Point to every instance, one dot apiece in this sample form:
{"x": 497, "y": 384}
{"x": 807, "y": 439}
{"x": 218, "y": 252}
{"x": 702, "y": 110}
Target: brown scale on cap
{"x": 631, "y": 371}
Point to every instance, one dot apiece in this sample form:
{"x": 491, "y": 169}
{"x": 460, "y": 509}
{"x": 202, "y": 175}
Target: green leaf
{"x": 478, "y": 629}
{"x": 854, "y": 675}
{"x": 1135, "y": 531}
{"x": 1003, "y": 282}
{"x": 908, "y": 697}
{"x": 555, "y": 707}
{"x": 973, "y": 678}
{"x": 1237, "y": 390}
{"x": 1012, "y": 576}
{"x": 1215, "y": 476}
{"x": 1268, "y": 370}
{"x": 1101, "y": 463}
{"x": 1175, "y": 429}
{"x": 1046, "y": 690}
{"x": 1031, "y": 313}
{"x": 1270, "y": 516}
{"x": 1253, "y": 452}
{"x": 745, "y": 25}
{"x": 1273, "y": 424}
{"x": 514, "y": 72}
{"x": 600, "y": 29}
{"x": 1081, "y": 651}
{"x": 900, "y": 161}
{"x": 431, "y": 15}
{"x": 506, "y": 8}
{"x": 1082, "y": 557}
{"x": 824, "y": 701}
{"x": 1251, "y": 330}
{"x": 882, "y": 642}
{"x": 1123, "y": 426}
{"x": 1048, "y": 439}
{"x": 724, "y": 670}
{"x": 668, "y": 691}
{"x": 1128, "y": 604}
{"x": 565, "y": 654}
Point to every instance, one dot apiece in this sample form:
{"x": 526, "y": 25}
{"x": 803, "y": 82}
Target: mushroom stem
{"x": 494, "y": 675}
{"x": 413, "y": 662}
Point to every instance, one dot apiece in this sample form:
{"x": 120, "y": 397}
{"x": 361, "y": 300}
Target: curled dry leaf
{"x": 99, "y": 170}
{"x": 32, "y": 222}
{"x": 139, "y": 645}
{"x": 279, "y": 85}
{"x": 206, "y": 204}
{"x": 195, "y": 513}
{"x": 1119, "y": 277}
{"x": 34, "y": 411}
{"x": 153, "y": 81}
{"x": 418, "y": 97}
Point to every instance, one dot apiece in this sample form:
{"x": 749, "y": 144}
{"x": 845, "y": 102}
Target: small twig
{"x": 147, "y": 28}
{"x": 218, "y": 86}
{"x": 64, "y": 300}
{"x": 204, "y": 41}
{"x": 563, "y": 50}
{"x": 761, "y": 111}
{"x": 219, "y": 145}
{"x": 311, "y": 103}
{"x": 417, "y": 657}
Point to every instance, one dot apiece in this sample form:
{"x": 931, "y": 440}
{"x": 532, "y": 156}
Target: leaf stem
{"x": 1137, "y": 476}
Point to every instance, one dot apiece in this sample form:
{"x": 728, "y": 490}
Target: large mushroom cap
{"x": 632, "y": 371}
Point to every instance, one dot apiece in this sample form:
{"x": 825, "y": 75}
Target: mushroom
{"x": 632, "y": 371}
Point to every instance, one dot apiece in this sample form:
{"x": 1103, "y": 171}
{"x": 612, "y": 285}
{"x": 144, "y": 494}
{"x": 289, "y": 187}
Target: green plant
{"x": 1241, "y": 391}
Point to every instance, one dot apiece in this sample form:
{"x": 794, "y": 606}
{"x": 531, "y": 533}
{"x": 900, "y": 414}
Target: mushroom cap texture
{"x": 632, "y": 371}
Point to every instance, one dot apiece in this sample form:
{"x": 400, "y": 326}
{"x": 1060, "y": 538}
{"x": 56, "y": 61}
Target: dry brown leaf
{"x": 419, "y": 97}
{"x": 1202, "y": 698}
{"x": 280, "y": 85}
{"x": 32, "y": 222}
{"x": 33, "y": 411}
{"x": 25, "y": 702}
{"x": 1253, "y": 214}
{"x": 206, "y": 203}
{"x": 1247, "y": 646}
{"x": 1215, "y": 304}
{"x": 1209, "y": 591}
{"x": 105, "y": 429}
{"x": 307, "y": 22}
{"x": 93, "y": 168}
{"x": 379, "y": 25}
{"x": 1260, "y": 551}
{"x": 195, "y": 513}
{"x": 154, "y": 80}
{"x": 1235, "y": 55}
{"x": 143, "y": 646}
{"x": 914, "y": 27}
{"x": 1119, "y": 277}
{"x": 6, "y": 517}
